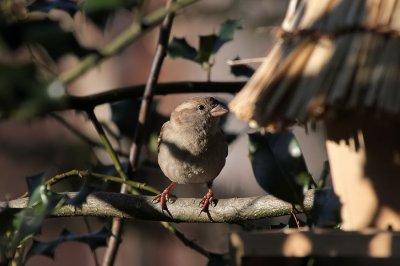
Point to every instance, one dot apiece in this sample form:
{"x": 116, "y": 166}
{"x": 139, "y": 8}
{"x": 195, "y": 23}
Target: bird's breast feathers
{"x": 191, "y": 158}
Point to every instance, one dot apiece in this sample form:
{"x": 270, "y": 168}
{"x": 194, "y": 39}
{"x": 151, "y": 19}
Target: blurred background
{"x": 46, "y": 145}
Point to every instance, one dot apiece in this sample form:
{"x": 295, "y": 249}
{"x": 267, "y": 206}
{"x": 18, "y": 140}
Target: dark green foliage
{"x": 20, "y": 226}
{"x": 82, "y": 194}
{"x": 46, "y": 33}
{"x": 24, "y": 94}
{"x": 326, "y": 210}
{"x": 179, "y": 47}
{"x": 124, "y": 114}
{"x": 279, "y": 166}
{"x": 94, "y": 240}
{"x": 33, "y": 182}
{"x": 208, "y": 44}
{"x": 241, "y": 70}
{"x": 19, "y": 86}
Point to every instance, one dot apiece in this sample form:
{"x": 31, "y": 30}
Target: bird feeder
{"x": 338, "y": 61}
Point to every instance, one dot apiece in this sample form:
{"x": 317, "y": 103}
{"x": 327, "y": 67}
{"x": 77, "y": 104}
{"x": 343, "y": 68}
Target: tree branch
{"x": 114, "y": 95}
{"x": 234, "y": 210}
{"x": 147, "y": 98}
{"x": 165, "y": 30}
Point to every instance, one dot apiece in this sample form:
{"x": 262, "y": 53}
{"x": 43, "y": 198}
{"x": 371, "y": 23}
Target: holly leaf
{"x": 226, "y": 32}
{"x": 81, "y": 196}
{"x": 94, "y": 240}
{"x": 179, "y": 47}
{"x": 326, "y": 208}
{"x": 33, "y": 182}
{"x": 206, "y": 47}
{"x": 28, "y": 221}
{"x": 278, "y": 165}
{"x": 241, "y": 70}
{"x": 208, "y": 44}
{"x": 122, "y": 113}
{"x": 47, "y": 249}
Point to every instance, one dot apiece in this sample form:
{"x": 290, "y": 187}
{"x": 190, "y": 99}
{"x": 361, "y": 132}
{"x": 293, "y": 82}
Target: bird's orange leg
{"x": 206, "y": 200}
{"x": 164, "y": 196}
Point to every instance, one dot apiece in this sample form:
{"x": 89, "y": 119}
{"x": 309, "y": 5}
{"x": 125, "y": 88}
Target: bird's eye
{"x": 200, "y": 107}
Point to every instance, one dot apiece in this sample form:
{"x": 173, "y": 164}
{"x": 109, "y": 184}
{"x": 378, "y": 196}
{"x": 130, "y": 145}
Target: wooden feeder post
{"x": 339, "y": 61}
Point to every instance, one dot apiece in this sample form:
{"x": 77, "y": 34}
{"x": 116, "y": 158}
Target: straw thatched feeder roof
{"x": 331, "y": 58}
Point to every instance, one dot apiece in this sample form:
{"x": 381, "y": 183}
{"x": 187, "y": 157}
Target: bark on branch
{"x": 90, "y": 101}
{"x": 233, "y": 210}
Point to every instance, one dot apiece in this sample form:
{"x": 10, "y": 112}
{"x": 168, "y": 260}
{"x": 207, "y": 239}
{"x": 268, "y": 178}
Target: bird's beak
{"x": 219, "y": 110}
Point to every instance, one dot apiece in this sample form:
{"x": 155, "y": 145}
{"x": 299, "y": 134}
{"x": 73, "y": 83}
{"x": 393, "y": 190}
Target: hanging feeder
{"x": 338, "y": 61}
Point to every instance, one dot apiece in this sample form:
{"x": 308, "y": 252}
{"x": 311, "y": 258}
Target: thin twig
{"x": 149, "y": 89}
{"x": 193, "y": 245}
{"x": 89, "y": 229}
{"x": 39, "y": 62}
{"x": 143, "y": 118}
{"x": 135, "y": 31}
{"x": 82, "y": 136}
{"x": 107, "y": 145}
{"x": 245, "y": 61}
{"x": 116, "y": 226}
{"x": 144, "y": 113}
{"x": 113, "y": 242}
{"x": 83, "y": 173}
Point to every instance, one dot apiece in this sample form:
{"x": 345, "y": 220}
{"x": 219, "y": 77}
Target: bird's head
{"x": 199, "y": 112}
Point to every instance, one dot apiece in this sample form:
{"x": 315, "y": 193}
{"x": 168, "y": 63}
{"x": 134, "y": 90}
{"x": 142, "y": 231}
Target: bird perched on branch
{"x": 192, "y": 147}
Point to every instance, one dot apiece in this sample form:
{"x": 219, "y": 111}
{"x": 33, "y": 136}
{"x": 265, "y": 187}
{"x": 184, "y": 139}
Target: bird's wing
{"x": 160, "y": 136}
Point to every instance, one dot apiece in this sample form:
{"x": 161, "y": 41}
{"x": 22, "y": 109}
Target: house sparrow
{"x": 192, "y": 147}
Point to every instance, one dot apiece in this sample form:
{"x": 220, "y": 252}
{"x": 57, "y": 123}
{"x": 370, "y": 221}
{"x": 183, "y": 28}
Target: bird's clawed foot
{"x": 206, "y": 201}
{"x": 164, "y": 196}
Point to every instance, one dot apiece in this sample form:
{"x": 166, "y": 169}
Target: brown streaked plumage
{"x": 192, "y": 147}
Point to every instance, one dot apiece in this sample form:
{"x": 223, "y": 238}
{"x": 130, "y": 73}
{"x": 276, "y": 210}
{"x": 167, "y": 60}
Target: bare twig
{"x": 234, "y": 210}
{"x": 82, "y": 136}
{"x": 144, "y": 113}
{"x": 165, "y": 30}
{"x": 245, "y": 61}
{"x": 187, "y": 242}
{"x": 115, "y": 229}
{"x": 84, "y": 173}
{"x": 84, "y": 102}
{"x": 107, "y": 144}
{"x": 149, "y": 89}
{"x": 89, "y": 229}
{"x": 135, "y": 31}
